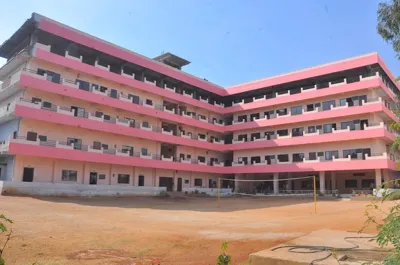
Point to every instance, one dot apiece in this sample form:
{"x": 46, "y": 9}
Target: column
{"x": 289, "y": 186}
{"x": 387, "y": 177}
{"x": 322, "y": 182}
{"x": 237, "y": 183}
{"x": 276, "y": 183}
{"x": 378, "y": 178}
{"x": 333, "y": 180}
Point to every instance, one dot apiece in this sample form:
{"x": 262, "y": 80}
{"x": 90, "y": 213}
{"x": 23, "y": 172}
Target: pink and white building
{"x": 78, "y": 110}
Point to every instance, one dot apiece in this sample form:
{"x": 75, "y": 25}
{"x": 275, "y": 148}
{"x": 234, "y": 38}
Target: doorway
{"x": 210, "y": 183}
{"x": 93, "y": 178}
{"x": 179, "y": 184}
{"x": 31, "y": 136}
{"x": 78, "y": 112}
{"x": 166, "y": 182}
{"x": 28, "y": 174}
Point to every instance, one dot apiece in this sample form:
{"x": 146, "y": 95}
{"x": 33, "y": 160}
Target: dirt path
{"x": 128, "y": 231}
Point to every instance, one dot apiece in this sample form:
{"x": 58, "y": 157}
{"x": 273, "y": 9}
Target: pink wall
{"x": 100, "y": 45}
{"x": 76, "y": 155}
{"x": 57, "y": 118}
{"x": 44, "y": 85}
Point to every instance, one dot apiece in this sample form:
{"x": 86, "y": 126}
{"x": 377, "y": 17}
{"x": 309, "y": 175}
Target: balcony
{"x": 52, "y": 87}
{"x": 340, "y": 86}
{"x": 37, "y": 111}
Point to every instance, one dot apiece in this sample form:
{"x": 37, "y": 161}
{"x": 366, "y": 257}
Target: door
{"x": 363, "y": 124}
{"x": 166, "y": 182}
{"x": 76, "y": 143}
{"x": 93, "y": 178}
{"x": 78, "y": 112}
{"x": 210, "y": 183}
{"x": 31, "y": 136}
{"x": 28, "y": 174}
{"x": 179, "y": 184}
{"x": 141, "y": 181}
{"x": 114, "y": 93}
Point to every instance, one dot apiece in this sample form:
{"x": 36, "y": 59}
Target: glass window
{"x": 327, "y": 105}
{"x": 298, "y": 157}
{"x": 83, "y": 84}
{"x": 69, "y": 175}
{"x": 198, "y": 182}
{"x": 145, "y": 124}
{"x": 350, "y": 152}
{"x": 242, "y": 118}
{"x": 201, "y": 159}
{"x": 296, "y": 110}
{"x": 311, "y": 129}
{"x": 281, "y": 112}
{"x": 310, "y": 107}
{"x": 350, "y": 183}
{"x": 149, "y": 102}
{"x": 123, "y": 178}
{"x": 283, "y": 158}
{"x": 328, "y": 127}
{"x": 342, "y": 102}
{"x": 330, "y": 154}
{"x": 282, "y": 132}
{"x": 312, "y": 156}
{"x": 366, "y": 183}
{"x": 102, "y": 176}
{"x": 297, "y": 132}
{"x": 319, "y": 154}
{"x": 144, "y": 151}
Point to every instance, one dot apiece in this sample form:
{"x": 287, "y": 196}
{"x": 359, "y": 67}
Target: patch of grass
{"x": 143, "y": 252}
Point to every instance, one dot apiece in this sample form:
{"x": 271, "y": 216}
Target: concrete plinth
{"x": 325, "y": 237}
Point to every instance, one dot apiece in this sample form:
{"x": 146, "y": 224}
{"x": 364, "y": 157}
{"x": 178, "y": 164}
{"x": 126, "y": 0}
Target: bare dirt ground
{"x": 182, "y": 231}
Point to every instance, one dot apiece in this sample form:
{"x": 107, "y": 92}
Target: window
{"x": 366, "y": 183}
{"x": 43, "y": 138}
{"x": 297, "y": 132}
{"x": 242, "y": 137}
{"x": 283, "y": 158}
{"x": 104, "y": 146}
{"x": 328, "y": 127}
{"x": 269, "y": 158}
{"x": 102, "y": 176}
{"x": 141, "y": 181}
{"x": 255, "y": 159}
{"x": 310, "y": 107}
{"x": 202, "y": 136}
{"x": 186, "y": 181}
{"x": 149, "y": 102}
{"x": 145, "y": 124}
{"x": 123, "y": 178}
{"x": 282, "y": 132}
{"x": 36, "y": 100}
{"x": 198, "y": 182}
{"x": 242, "y": 118}
{"x": 202, "y": 117}
{"x": 83, "y": 85}
{"x": 298, "y": 157}
{"x": 342, "y": 102}
{"x": 312, "y": 156}
{"x": 269, "y": 135}
{"x": 311, "y": 129}
{"x": 144, "y": 151}
{"x": 254, "y": 116}
{"x": 346, "y": 124}
{"x": 69, "y": 175}
{"x": 255, "y": 136}
{"x": 201, "y": 159}
{"x": 296, "y": 110}
{"x": 268, "y": 114}
{"x": 281, "y": 112}
{"x": 127, "y": 149}
{"x": 47, "y": 104}
{"x": 330, "y": 154}
{"x": 320, "y": 154}
{"x": 350, "y": 152}
{"x": 350, "y": 183}
{"x": 327, "y": 105}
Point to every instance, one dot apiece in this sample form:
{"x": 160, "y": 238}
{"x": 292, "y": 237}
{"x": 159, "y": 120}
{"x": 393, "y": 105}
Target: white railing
{"x": 305, "y": 133}
{"x": 311, "y": 111}
{"x": 236, "y": 164}
{"x": 203, "y": 100}
{"x": 186, "y": 161}
{"x": 132, "y": 76}
{"x": 29, "y": 104}
{"x": 70, "y": 84}
{"x": 93, "y": 150}
{"x": 311, "y": 160}
{"x": 64, "y": 146}
{"x": 237, "y": 122}
{"x": 107, "y": 68}
{"x": 168, "y": 110}
{"x": 148, "y": 156}
{"x": 186, "y": 115}
{"x": 283, "y": 162}
{"x": 203, "y": 119}
{"x": 120, "y": 153}
{"x": 334, "y": 159}
{"x": 238, "y": 103}
{"x": 64, "y": 111}
{"x": 288, "y": 114}
{"x": 218, "y": 164}
{"x": 145, "y": 104}
{"x": 42, "y": 46}
{"x": 259, "y": 139}
{"x": 369, "y": 102}
{"x": 371, "y": 127}
{"x": 302, "y": 90}
{"x": 166, "y": 131}
{"x": 218, "y": 141}
{"x": 370, "y": 77}
{"x": 172, "y": 89}
{"x": 144, "y": 127}
{"x": 284, "y": 136}
{"x": 221, "y": 105}
{"x": 338, "y": 84}
{"x": 259, "y": 99}
{"x": 341, "y": 130}
{"x": 25, "y": 141}
{"x": 67, "y": 55}
{"x": 345, "y": 106}
{"x": 376, "y": 156}
{"x": 189, "y": 95}
{"x": 236, "y": 141}
{"x": 122, "y": 123}
{"x": 170, "y": 159}
{"x": 154, "y": 83}
{"x": 95, "y": 91}
{"x": 93, "y": 117}
{"x": 282, "y": 95}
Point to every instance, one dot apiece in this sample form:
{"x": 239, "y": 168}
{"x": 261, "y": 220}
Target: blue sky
{"x": 228, "y": 41}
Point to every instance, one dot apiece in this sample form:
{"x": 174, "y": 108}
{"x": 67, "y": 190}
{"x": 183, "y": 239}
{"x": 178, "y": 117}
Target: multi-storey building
{"x": 77, "y": 109}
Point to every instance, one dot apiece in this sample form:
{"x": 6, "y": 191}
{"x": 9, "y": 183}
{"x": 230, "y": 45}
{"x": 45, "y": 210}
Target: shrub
{"x": 224, "y": 259}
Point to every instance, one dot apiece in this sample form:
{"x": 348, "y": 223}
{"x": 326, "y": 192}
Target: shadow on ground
{"x": 183, "y": 203}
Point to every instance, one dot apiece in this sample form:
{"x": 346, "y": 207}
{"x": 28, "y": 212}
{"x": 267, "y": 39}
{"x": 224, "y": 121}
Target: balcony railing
{"x": 108, "y": 92}
{"x": 289, "y": 114}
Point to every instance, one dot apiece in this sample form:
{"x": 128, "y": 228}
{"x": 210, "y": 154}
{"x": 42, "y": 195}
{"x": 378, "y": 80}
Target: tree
{"x": 389, "y": 23}
{"x": 3, "y": 228}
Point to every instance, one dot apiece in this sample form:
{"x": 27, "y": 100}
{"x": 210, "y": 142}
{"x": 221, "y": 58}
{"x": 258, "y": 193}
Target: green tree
{"x": 389, "y": 23}
{"x": 224, "y": 259}
{"x": 3, "y": 229}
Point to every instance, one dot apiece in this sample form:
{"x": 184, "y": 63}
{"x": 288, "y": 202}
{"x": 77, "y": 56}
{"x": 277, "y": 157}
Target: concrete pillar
{"x": 322, "y": 182}
{"x": 289, "y": 182}
{"x": 276, "y": 183}
{"x": 378, "y": 178}
{"x": 333, "y": 180}
{"x": 237, "y": 183}
{"x": 387, "y": 177}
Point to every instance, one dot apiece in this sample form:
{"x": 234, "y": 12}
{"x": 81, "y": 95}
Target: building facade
{"x": 77, "y": 109}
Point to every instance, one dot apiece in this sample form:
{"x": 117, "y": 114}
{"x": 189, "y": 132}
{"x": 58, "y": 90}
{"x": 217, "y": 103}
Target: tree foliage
{"x": 224, "y": 259}
{"x": 3, "y": 228}
{"x": 389, "y": 23}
